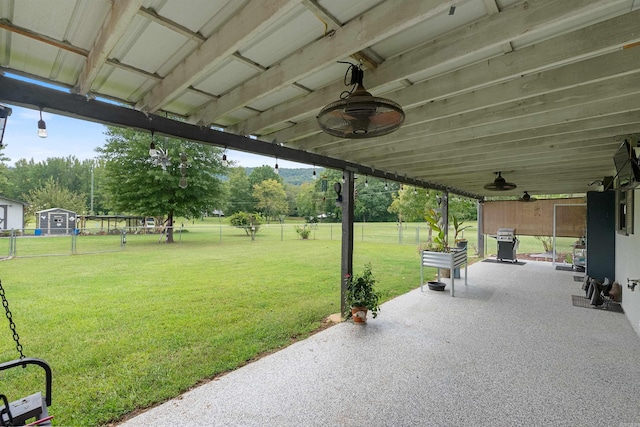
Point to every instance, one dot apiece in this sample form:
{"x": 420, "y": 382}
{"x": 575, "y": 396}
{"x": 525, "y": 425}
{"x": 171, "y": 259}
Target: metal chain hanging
{"x": 12, "y": 325}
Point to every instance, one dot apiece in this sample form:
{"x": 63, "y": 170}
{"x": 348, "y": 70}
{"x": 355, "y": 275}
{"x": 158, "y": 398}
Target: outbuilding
{"x": 11, "y": 214}
{"x": 56, "y": 221}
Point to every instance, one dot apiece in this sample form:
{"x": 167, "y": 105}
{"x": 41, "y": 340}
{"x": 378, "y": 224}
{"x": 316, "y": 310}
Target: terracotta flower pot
{"x": 359, "y": 314}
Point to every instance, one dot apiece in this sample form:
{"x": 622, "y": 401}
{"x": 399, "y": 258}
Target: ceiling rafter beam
{"x": 332, "y": 24}
{"x": 546, "y": 87}
{"x": 575, "y": 113}
{"x": 114, "y": 27}
{"x": 5, "y": 24}
{"x": 379, "y": 23}
{"x": 29, "y": 95}
{"x": 572, "y": 46}
{"x": 550, "y": 135}
{"x": 530, "y": 146}
{"x": 251, "y": 20}
{"x": 173, "y": 26}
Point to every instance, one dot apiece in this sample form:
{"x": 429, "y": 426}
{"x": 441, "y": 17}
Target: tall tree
{"x": 292, "y": 194}
{"x": 411, "y": 204}
{"x": 181, "y": 180}
{"x": 262, "y": 173}
{"x": 52, "y": 195}
{"x": 4, "y": 174}
{"x": 239, "y": 198}
{"x": 305, "y": 200}
{"x": 271, "y": 197}
{"x": 69, "y": 172}
{"x": 373, "y": 198}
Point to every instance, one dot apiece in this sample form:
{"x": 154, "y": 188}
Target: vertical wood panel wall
{"x": 536, "y": 218}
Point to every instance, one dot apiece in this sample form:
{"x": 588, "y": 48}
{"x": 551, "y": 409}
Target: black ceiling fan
{"x": 500, "y": 184}
{"x": 527, "y": 198}
{"x": 358, "y": 114}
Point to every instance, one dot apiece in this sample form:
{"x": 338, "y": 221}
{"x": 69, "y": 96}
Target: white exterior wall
{"x": 15, "y": 214}
{"x": 628, "y": 266}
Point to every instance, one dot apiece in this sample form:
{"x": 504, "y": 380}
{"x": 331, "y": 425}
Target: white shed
{"x": 11, "y": 214}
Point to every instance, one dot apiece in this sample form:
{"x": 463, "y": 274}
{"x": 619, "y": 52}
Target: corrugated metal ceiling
{"x": 542, "y": 90}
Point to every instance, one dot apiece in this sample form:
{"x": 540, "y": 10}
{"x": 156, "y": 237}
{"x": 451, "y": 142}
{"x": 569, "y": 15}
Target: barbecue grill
{"x": 507, "y": 244}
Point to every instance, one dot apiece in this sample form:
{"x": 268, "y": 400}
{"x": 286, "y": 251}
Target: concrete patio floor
{"x": 509, "y": 349}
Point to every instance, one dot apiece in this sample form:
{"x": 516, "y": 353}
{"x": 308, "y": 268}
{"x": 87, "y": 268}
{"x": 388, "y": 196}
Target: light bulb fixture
{"x": 314, "y": 176}
{"x": 42, "y": 127}
{"x": 183, "y": 182}
{"x": 415, "y": 191}
{"x": 4, "y": 113}
{"x": 386, "y": 186}
{"x": 276, "y": 169}
{"x": 366, "y": 182}
{"x": 343, "y": 178}
{"x": 225, "y": 162}
{"x": 152, "y": 147}
{"x": 358, "y": 114}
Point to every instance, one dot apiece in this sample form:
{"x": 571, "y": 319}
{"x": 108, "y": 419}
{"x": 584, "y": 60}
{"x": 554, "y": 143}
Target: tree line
{"x": 190, "y": 179}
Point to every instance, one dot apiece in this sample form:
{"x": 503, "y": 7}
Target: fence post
{"x": 417, "y": 235}
{"x": 123, "y": 238}
{"x": 12, "y": 243}
{"x": 73, "y": 243}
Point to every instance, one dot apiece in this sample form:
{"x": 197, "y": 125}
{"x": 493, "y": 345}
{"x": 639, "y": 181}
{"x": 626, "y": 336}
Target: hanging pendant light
{"x": 152, "y": 147}
{"x": 358, "y": 114}
{"x": 42, "y": 127}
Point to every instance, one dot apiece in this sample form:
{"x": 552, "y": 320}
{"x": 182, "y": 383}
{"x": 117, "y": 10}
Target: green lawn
{"x": 126, "y": 329}
{"x": 131, "y": 327}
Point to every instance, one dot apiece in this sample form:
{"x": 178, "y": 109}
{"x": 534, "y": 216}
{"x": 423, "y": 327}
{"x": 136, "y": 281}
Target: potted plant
{"x": 360, "y": 295}
{"x": 437, "y": 253}
{"x": 461, "y": 242}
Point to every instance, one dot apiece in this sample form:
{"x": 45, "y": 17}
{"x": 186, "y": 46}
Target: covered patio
{"x": 510, "y": 349}
{"x": 542, "y": 91}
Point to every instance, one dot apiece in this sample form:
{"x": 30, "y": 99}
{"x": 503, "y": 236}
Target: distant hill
{"x": 294, "y": 176}
{"x": 298, "y": 176}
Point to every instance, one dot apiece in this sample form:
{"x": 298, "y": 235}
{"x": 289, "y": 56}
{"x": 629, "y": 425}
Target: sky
{"x": 73, "y": 137}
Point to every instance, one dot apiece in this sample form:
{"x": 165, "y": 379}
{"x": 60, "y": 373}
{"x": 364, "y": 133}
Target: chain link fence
{"x": 30, "y": 242}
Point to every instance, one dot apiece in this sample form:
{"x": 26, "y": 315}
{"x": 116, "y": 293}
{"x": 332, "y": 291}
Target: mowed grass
{"x": 126, "y": 329}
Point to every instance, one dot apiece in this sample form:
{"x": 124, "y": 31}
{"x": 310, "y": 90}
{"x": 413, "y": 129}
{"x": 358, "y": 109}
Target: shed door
{"x": 58, "y": 223}
{"x": 3, "y": 217}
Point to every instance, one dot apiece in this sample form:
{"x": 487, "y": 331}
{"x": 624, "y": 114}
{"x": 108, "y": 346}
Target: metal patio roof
{"x": 542, "y": 90}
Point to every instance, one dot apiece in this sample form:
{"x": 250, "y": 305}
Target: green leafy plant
{"x": 304, "y": 232}
{"x": 547, "y": 242}
{"x": 250, "y": 223}
{"x": 361, "y": 292}
{"x": 457, "y": 227}
{"x": 439, "y": 243}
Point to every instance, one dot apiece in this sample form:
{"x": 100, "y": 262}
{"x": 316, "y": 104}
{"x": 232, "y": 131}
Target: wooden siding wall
{"x": 536, "y": 218}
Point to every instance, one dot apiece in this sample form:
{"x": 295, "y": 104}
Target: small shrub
{"x": 303, "y": 232}
{"x": 249, "y": 222}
